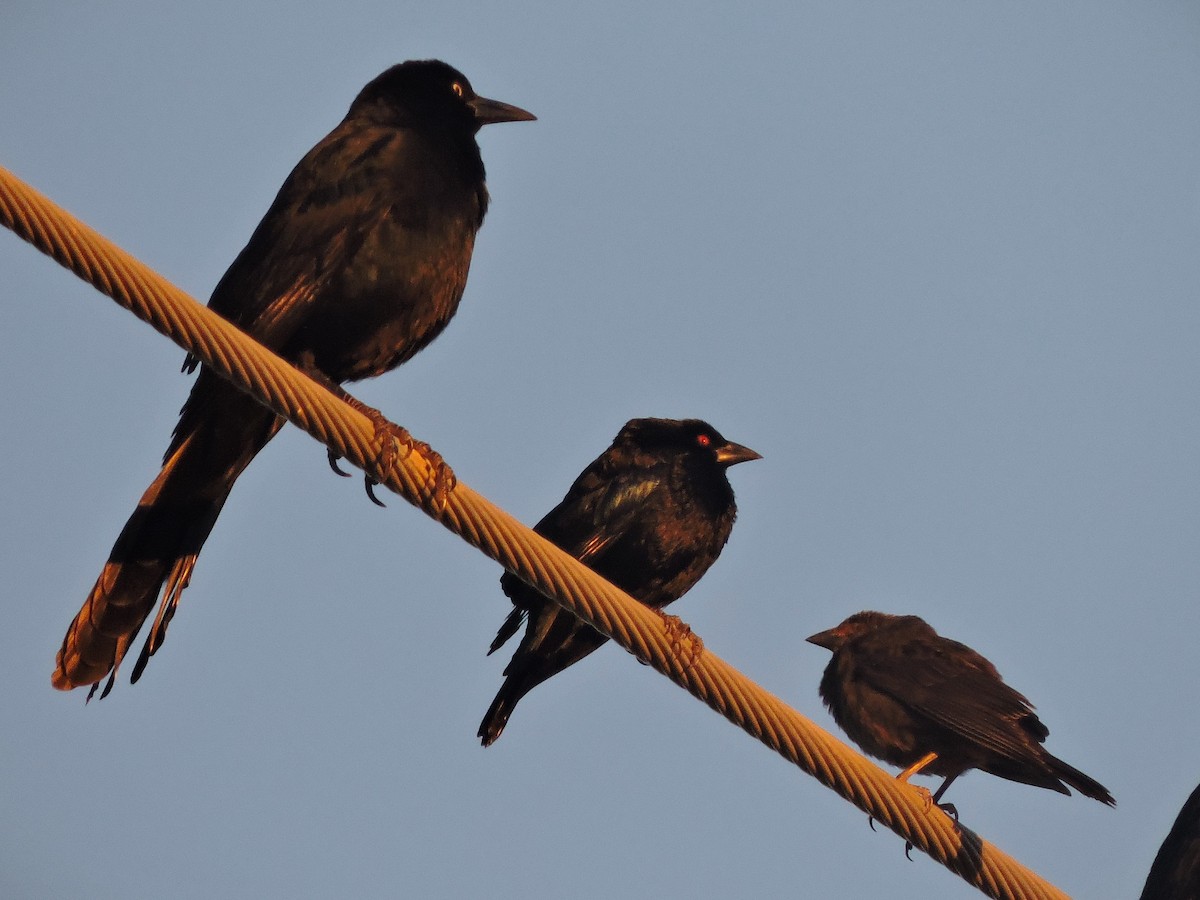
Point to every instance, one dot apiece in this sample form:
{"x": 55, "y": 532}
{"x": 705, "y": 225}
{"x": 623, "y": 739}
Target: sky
{"x": 936, "y": 261}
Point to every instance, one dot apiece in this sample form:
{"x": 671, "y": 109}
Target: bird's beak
{"x": 830, "y": 639}
{"x": 731, "y": 454}
{"x": 488, "y": 112}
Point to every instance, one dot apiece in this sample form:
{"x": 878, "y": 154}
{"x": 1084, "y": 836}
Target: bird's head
{"x": 860, "y": 623}
{"x": 692, "y": 437}
{"x": 430, "y": 93}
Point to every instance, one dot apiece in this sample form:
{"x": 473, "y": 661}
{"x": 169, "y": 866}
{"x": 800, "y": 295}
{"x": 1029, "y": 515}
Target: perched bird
{"x": 913, "y": 698}
{"x": 650, "y": 515}
{"x": 359, "y": 263}
{"x": 1175, "y": 874}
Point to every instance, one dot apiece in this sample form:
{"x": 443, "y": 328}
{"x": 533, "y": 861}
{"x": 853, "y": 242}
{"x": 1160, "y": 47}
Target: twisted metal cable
{"x": 664, "y": 642}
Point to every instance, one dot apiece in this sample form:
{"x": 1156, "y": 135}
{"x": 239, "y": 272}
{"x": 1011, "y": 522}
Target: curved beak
{"x": 488, "y": 112}
{"x": 730, "y": 454}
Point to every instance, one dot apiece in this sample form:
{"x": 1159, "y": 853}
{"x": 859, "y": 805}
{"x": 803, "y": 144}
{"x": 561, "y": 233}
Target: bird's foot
{"x": 948, "y": 808}
{"x": 926, "y": 798}
{"x": 908, "y": 845}
{"x": 389, "y": 435}
{"x": 686, "y": 645}
{"x": 333, "y": 464}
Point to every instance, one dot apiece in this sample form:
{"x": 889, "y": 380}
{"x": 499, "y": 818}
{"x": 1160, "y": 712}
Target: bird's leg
{"x": 908, "y": 773}
{"x": 915, "y": 768}
{"x": 387, "y": 434}
{"x": 948, "y": 808}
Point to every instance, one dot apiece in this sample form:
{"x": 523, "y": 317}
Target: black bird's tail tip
{"x": 497, "y": 715}
{"x": 487, "y": 735}
{"x": 492, "y": 726}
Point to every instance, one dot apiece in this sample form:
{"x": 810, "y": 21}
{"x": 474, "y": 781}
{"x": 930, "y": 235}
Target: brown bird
{"x": 913, "y": 698}
{"x": 359, "y": 263}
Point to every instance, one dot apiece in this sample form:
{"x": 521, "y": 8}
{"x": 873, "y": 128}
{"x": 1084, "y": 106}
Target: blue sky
{"x": 936, "y": 261}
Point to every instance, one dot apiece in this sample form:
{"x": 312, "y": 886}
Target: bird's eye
{"x": 703, "y": 440}
{"x": 459, "y": 90}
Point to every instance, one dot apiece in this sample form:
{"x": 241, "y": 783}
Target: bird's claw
{"x": 926, "y": 798}
{"x": 389, "y": 436}
{"x": 948, "y": 808}
{"x": 686, "y": 645}
{"x": 443, "y": 481}
{"x": 333, "y": 464}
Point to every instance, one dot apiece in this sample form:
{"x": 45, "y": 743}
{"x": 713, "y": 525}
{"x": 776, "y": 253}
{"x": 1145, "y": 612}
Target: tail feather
{"x": 508, "y": 628}
{"x": 219, "y": 434}
{"x": 155, "y": 541}
{"x": 497, "y": 715}
{"x": 180, "y": 578}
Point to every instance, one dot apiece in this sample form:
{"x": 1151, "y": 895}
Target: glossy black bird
{"x": 358, "y": 264}
{"x": 650, "y": 515}
{"x": 913, "y": 698}
{"x": 1175, "y": 874}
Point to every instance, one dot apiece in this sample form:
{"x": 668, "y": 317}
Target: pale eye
{"x": 458, "y": 89}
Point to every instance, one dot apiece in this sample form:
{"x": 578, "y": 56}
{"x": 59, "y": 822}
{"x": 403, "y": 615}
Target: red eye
{"x": 703, "y": 440}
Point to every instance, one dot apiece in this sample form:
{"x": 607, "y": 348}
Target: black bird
{"x": 1175, "y": 874}
{"x": 358, "y": 264}
{"x": 913, "y": 698}
{"x": 650, "y": 514}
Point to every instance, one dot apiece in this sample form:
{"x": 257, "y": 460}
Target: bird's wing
{"x": 601, "y": 508}
{"x": 319, "y": 218}
{"x": 957, "y": 689}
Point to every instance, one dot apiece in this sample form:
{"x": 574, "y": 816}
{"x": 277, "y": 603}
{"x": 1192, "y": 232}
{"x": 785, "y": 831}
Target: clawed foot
{"x": 948, "y": 808}
{"x": 387, "y": 435}
{"x": 333, "y": 464}
{"x": 686, "y": 645}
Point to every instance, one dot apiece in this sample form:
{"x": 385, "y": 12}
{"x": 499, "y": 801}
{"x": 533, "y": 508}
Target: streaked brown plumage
{"x": 359, "y": 263}
{"x": 903, "y": 693}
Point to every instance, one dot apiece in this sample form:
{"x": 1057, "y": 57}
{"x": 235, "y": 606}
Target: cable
{"x": 662, "y": 641}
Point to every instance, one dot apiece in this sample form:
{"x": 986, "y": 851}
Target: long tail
{"x": 553, "y": 641}
{"x": 1089, "y": 787}
{"x": 514, "y": 688}
{"x": 219, "y": 433}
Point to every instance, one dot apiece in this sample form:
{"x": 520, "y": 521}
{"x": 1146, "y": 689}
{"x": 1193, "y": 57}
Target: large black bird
{"x": 913, "y": 698}
{"x": 1175, "y": 874}
{"x": 650, "y": 514}
{"x": 358, "y": 264}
